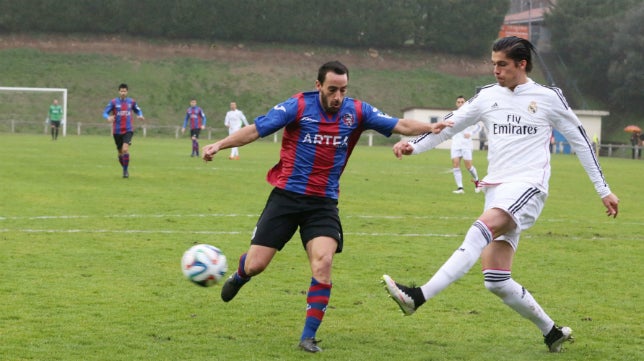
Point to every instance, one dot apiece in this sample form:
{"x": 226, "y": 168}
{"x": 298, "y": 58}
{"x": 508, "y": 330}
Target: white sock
{"x": 458, "y": 177}
{"x": 473, "y": 172}
{"x": 477, "y": 237}
{"x": 500, "y": 283}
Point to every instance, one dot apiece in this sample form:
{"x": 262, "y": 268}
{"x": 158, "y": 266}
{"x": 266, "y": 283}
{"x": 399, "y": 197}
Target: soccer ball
{"x": 204, "y": 265}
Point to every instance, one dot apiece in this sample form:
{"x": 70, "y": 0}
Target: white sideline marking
{"x": 360, "y": 234}
{"x": 361, "y": 216}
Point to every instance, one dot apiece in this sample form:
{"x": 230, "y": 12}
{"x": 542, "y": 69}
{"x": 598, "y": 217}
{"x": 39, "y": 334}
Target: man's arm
{"x": 415, "y": 127}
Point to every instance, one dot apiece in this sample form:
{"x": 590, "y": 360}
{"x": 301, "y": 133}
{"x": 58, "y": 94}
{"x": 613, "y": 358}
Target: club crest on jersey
{"x": 348, "y": 120}
{"x": 532, "y": 108}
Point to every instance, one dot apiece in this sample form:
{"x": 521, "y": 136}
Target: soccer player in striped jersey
{"x": 519, "y": 115}
{"x": 321, "y": 128}
{"x": 196, "y": 118}
{"x": 119, "y": 112}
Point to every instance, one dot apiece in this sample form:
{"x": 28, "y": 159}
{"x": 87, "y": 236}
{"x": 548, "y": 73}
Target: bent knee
{"x": 495, "y": 281}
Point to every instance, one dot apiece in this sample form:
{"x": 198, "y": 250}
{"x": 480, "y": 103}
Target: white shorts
{"x": 465, "y": 153}
{"x": 522, "y": 201}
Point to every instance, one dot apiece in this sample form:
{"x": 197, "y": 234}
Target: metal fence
{"x": 146, "y": 130}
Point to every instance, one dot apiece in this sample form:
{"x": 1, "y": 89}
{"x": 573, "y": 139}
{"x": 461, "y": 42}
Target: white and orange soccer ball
{"x": 204, "y": 265}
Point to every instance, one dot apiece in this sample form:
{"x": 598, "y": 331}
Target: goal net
{"x": 26, "y": 110}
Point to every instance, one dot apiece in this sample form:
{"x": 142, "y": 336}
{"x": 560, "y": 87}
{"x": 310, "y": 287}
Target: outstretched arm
{"x": 415, "y": 127}
{"x": 240, "y": 138}
{"x": 402, "y": 148}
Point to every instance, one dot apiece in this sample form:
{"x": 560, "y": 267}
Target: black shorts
{"x": 195, "y": 132}
{"x": 121, "y": 139}
{"x": 286, "y": 211}
{"x": 55, "y": 123}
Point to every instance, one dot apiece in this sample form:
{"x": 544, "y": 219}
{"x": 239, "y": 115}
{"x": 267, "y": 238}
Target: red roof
{"x": 524, "y": 17}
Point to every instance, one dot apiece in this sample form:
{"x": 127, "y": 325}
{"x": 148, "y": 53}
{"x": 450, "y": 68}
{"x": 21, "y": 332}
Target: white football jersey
{"x": 234, "y": 120}
{"x": 519, "y": 125}
{"x": 459, "y": 141}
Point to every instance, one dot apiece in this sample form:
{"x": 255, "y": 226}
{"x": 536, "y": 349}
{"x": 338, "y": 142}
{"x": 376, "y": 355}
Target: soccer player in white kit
{"x": 462, "y": 149}
{"x": 234, "y": 121}
{"x": 519, "y": 115}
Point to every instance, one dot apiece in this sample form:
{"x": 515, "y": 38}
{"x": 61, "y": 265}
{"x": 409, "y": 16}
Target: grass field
{"x": 90, "y": 262}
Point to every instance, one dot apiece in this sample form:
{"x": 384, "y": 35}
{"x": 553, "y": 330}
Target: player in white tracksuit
{"x": 519, "y": 115}
{"x": 234, "y": 121}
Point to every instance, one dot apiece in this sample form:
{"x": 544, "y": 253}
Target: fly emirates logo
{"x": 337, "y": 141}
{"x": 513, "y": 127}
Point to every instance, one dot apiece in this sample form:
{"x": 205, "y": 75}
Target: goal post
{"x": 63, "y": 122}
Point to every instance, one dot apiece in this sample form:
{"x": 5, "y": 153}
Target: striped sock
{"x": 126, "y": 160}
{"x": 500, "y": 283}
{"x": 240, "y": 276}
{"x": 316, "y": 299}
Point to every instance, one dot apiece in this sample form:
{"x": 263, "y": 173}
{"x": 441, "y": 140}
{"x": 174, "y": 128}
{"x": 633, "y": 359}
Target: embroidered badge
{"x": 532, "y": 108}
{"x": 347, "y": 119}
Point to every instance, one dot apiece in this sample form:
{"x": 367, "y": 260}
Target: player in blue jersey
{"x": 119, "y": 112}
{"x": 321, "y": 128}
{"x": 197, "y": 120}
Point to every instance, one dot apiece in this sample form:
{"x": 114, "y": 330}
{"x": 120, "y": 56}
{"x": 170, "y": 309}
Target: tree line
{"x": 454, "y": 26}
{"x": 602, "y": 42}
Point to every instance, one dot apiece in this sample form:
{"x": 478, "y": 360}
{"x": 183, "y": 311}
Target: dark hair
{"x": 516, "y": 49}
{"x": 459, "y": 97}
{"x": 122, "y": 86}
{"x": 334, "y": 66}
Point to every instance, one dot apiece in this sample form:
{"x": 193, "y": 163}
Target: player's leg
{"x": 118, "y": 141}
{"x": 456, "y": 170}
{"x": 196, "y": 145}
{"x": 320, "y": 251}
{"x": 493, "y": 223}
{"x": 274, "y": 229}
{"x": 322, "y": 228}
{"x": 56, "y": 126}
{"x": 496, "y": 262}
{"x": 467, "y": 160}
{"x": 125, "y": 154}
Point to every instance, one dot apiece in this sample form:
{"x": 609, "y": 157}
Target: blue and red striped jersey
{"x": 316, "y": 145}
{"x": 196, "y": 117}
{"x": 122, "y": 110}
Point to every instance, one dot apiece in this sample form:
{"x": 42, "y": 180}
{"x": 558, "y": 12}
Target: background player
{"x": 234, "y": 121}
{"x": 462, "y": 149}
{"x": 55, "y": 115}
{"x": 119, "y": 112}
{"x": 196, "y": 118}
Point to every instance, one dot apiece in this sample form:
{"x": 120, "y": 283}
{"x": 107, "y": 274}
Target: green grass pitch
{"x": 90, "y": 262}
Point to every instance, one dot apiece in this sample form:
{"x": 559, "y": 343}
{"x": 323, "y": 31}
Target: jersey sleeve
{"x": 567, "y": 123}
{"x": 203, "y": 116}
{"x": 277, "y": 117}
{"x": 136, "y": 109}
{"x": 185, "y": 119}
{"x": 108, "y": 109}
{"x": 466, "y": 116}
{"x": 375, "y": 119}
